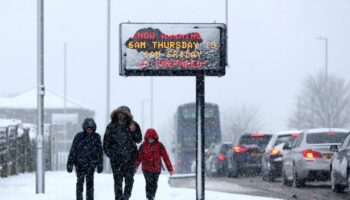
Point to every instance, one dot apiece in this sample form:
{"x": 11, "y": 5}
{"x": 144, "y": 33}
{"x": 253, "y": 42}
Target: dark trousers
{"x": 87, "y": 174}
{"x": 123, "y": 171}
{"x": 151, "y": 184}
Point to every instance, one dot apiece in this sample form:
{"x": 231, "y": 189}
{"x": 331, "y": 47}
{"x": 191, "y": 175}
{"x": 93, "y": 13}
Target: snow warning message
{"x": 172, "y": 49}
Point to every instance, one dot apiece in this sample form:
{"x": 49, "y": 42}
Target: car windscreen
{"x": 261, "y": 140}
{"x": 226, "y": 147}
{"x": 323, "y": 138}
{"x": 285, "y": 139}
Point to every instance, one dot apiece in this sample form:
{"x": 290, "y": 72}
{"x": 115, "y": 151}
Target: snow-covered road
{"x": 61, "y": 186}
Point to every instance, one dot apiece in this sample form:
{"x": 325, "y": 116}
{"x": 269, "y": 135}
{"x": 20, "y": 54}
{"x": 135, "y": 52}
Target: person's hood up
{"x": 121, "y": 109}
{"x": 89, "y": 123}
{"x": 151, "y": 133}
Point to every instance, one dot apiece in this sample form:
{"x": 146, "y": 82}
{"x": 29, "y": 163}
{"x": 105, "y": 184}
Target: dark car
{"x": 273, "y": 156}
{"x": 217, "y": 163}
{"x": 247, "y": 153}
{"x": 340, "y": 166}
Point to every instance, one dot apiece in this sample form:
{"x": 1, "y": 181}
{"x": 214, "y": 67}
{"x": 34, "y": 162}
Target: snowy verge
{"x": 61, "y": 185}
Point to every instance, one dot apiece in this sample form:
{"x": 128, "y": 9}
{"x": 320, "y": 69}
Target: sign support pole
{"x": 40, "y": 167}
{"x": 200, "y": 106}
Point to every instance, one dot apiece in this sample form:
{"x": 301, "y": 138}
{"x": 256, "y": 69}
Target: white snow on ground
{"x": 61, "y": 186}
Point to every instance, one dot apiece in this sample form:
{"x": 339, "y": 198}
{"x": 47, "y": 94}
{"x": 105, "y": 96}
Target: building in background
{"x": 63, "y": 118}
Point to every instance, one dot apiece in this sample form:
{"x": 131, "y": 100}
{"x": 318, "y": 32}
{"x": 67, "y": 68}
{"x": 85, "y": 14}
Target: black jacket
{"x": 119, "y": 142}
{"x": 86, "y": 150}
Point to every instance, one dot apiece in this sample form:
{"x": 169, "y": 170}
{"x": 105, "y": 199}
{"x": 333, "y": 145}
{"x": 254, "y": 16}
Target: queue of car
{"x": 295, "y": 156}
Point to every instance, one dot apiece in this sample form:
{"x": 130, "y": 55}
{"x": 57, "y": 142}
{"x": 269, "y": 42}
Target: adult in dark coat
{"x": 86, "y": 155}
{"x": 119, "y": 144}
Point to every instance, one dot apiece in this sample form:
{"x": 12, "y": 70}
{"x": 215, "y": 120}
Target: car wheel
{"x": 224, "y": 172}
{"x": 234, "y": 172}
{"x": 216, "y": 172}
{"x": 285, "y": 180}
{"x": 297, "y": 183}
{"x": 270, "y": 178}
{"x": 266, "y": 173}
{"x": 263, "y": 173}
{"x": 267, "y": 176}
{"x": 207, "y": 171}
{"x": 338, "y": 188}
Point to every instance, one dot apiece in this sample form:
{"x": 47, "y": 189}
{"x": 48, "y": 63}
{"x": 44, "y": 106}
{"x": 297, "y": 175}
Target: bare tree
{"x": 240, "y": 119}
{"x": 323, "y": 101}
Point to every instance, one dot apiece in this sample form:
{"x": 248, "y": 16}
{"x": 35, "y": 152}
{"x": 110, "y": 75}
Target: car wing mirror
{"x": 334, "y": 148}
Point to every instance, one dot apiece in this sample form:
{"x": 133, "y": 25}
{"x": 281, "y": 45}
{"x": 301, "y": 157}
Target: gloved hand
{"x": 69, "y": 168}
{"x": 99, "y": 169}
{"x": 132, "y": 127}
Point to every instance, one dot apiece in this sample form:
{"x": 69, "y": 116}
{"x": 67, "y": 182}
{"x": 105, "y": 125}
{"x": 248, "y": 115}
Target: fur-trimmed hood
{"x": 122, "y": 109}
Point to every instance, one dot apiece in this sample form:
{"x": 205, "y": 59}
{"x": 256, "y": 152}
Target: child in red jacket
{"x": 150, "y": 153}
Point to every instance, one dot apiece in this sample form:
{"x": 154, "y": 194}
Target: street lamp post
{"x": 142, "y": 113}
{"x": 326, "y": 78}
{"x": 326, "y": 53}
{"x": 152, "y": 101}
{"x": 40, "y": 167}
{"x": 108, "y": 44}
{"x": 108, "y": 59}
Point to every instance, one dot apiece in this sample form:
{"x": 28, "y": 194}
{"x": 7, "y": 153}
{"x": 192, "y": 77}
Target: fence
{"x": 18, "y": 149}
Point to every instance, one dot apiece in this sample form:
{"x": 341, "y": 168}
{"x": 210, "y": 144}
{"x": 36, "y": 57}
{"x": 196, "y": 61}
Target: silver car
{"x": 309, "y": 157}
{"x": 273, "y": 156}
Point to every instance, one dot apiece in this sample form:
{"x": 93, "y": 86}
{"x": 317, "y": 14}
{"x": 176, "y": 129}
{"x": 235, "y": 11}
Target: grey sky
{"x": 272, "y": 47}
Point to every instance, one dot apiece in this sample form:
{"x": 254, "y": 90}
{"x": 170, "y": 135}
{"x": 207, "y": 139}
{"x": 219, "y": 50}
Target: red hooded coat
{"x": 150, "y": 154}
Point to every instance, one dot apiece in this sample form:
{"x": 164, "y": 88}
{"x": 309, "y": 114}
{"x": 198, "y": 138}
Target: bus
{"x": 184, "y": 141}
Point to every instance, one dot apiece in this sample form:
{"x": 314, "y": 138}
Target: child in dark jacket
{"x": 150, "y": 154}
{"x": 86, "y": 155}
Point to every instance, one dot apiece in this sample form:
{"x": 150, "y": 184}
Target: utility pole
{"x": 152, "y": 102}
{"x": 326, "y": 53}
{"x": 142, "y": 113}
{"x": 298, "y": 114}
{"x": 65, "y": 78}
{"x": 108, "y": 79}
{"x": 40, "y": 168}
{"x": 108, "y": 60}
{"x": 65, "y": 130}
{"x": 325, "y": 39}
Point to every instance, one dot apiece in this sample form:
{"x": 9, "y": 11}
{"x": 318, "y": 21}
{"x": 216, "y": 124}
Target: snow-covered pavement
{"x": 61, "y": 186}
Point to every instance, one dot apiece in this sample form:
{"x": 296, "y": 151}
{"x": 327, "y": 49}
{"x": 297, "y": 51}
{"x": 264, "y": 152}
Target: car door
{"x": 291, "y": 155}
{"x": 340, "y": 160}
{"x": 297, "y": 156}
